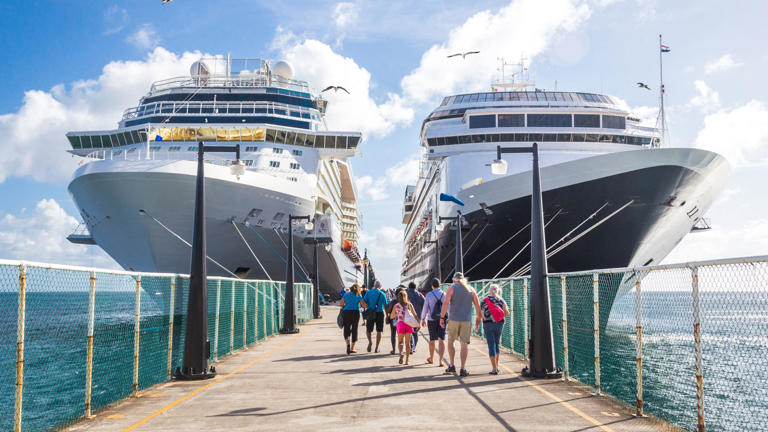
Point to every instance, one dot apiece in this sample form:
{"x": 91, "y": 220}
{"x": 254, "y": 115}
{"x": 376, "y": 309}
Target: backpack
{"x": 497, "y": 313}
{"x": 435, "y": 315}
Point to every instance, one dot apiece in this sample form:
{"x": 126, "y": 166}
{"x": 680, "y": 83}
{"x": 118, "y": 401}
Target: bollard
{"x": 89, "y": 355}
{"x": 20, "y": 347}
{"x": 526, "y": 319}
{"x": 137, "y": 330}
{"x": 596, "y": 329}
{"x": 232, "y": 320}
{"x": 216, "y": 327}
{"x": 245, "y": 315}
{"x": 172, "y": 313}
{"x": 639, "y": 347}
{"x": 697, "y": 348}
{"x": 565, "y": 329}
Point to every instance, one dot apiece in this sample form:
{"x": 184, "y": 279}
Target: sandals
{"x": 430, "y": 361}
{"x": 401, "y": 359}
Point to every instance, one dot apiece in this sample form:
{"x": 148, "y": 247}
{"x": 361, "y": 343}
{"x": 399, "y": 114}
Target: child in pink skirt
{"x": 403, "y": 307}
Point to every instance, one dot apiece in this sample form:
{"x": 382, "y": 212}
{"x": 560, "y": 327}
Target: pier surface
{"x": 305, "y": 382}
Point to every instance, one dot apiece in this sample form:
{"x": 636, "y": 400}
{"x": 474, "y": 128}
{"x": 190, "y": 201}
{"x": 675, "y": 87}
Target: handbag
{"x": 370, "y": 313}
{"x": 496, "y": 312}
{"x": 409, "y": 319}
{"x": 340, "y": 319}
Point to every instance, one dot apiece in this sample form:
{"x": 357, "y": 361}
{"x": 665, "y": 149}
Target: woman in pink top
{"x": 402, "y": 307}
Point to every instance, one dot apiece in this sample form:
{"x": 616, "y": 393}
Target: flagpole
{"x": 661, "y": 93}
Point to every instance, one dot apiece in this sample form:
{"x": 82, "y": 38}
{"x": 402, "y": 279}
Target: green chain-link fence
{"x": 89, "y": 338}
{"x": 685, "y": 343}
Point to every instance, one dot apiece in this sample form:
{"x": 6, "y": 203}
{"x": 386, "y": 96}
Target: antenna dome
{"x": 283, "y": 69}
{"x": 199, "y": 69}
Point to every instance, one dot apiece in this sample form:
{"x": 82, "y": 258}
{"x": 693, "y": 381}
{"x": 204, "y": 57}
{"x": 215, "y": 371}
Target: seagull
{"x": 643, "y": 85}
{"x": 464, "y": 55}
{"x": 165, "y": 2}
{"x": 335, "y": 89}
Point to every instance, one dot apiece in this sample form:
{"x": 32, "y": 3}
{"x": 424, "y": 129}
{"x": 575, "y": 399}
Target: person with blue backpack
{"x": 494, "y": 310}
{"x": 374, "y": 301}
{"x": 430, "y": 317}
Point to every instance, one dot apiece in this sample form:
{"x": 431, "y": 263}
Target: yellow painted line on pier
{"x": 570, "y": 407}
{"x": 216, "y": 381}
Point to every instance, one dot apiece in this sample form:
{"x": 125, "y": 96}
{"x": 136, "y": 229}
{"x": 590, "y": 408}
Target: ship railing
{"x": 689, "y": 331}
{"x": 259, "y": 79}
{"x": 213, "y": 109}
{"x": 103, "y": 335}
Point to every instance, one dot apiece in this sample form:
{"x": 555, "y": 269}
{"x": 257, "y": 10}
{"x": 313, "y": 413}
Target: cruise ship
{"x": 613, "y": 196}
{"x": 135, "y": 186}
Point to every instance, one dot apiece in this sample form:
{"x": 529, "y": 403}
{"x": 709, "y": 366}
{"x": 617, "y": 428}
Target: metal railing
{"x": 667, "y": 340}
{"x": 82, "y": 339}
{"x": 214, "y": 109}
{"x": 252, "y": 80}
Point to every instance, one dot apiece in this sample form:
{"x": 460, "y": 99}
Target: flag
{"x": 664, "y": 48}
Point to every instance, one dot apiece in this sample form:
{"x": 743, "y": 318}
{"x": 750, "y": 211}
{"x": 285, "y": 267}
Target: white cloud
{"x": 524, "y": 27}
{"x": 35, "y": 144}
{"x": 397, "y": 176}
{"x": 740, "y": 134}
{"x": 707, "y": 99}
{"x": 721, "y": 64}
{"x": 115, "y": 19}
{"x": 748, "y": 239}
{"x": 317, "y": 63}
{"x": 375, "y": 189}
{"x": 145, "y": 37}
{"x": 385, "y": 250}
{"x": 40, "y": 235}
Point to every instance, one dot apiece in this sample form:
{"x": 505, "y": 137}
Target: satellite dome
{"x": 283, "y": 69}
{"x": 199, "y": 69}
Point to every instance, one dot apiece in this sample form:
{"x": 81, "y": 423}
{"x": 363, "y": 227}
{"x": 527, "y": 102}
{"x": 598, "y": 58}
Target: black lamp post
{"x": 197, "y": 347}
{"x": 326, "y": 241}
{"x": 365, "y": 268}
{"x": 459, "y": 265}
{"x": 542, "y": 350}
{"x": 436, "y": 242}
{"x": 289, "y": 313}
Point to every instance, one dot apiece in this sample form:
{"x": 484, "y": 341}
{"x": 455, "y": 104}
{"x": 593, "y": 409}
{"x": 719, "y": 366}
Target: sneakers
{"x": 463, "y": 372}
{"x": 451, "y": 369}
{"x": 369, "y": 346}
{"x": 348, "y": 350}
{"x": 392, "y": 352}
{"x": 376, "y": 350}
{"x": 494, "y": 372}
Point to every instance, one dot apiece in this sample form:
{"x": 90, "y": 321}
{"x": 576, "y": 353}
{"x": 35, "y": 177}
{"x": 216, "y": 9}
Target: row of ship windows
{"x": 248, "y": 149}
{"x": 527, "y": 96}
{"x": 547, "y": 120}
{"x": 538, "y": 137}
{"x": 173, "y": 109}
{"x": 213, "y": 134}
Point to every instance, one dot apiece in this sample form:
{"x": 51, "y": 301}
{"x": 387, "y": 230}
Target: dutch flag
{"x": 664, "y": 48}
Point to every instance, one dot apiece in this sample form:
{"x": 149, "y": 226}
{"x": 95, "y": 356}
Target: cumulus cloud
{"x": 145, "y": 37}
{"x": 706, "y": 99}
{"x": 747, "y": 239}
{"x": 721, "y": 64}
{"x": 344, "y": 15}
{"x": 524, "y": 27}
{"x": 35, "y": 144}
{"x": 40, "y": 235}
{"x": 396, "y": 177}
{"x": 740, "y": 134}
{"x": 316, "y": 62}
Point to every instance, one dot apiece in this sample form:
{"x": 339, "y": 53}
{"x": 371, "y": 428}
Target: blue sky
{"x": 77, "y": 64}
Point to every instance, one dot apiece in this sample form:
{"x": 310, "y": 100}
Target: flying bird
{"x": 165, "y": 2}
{"x": 464, "y": 55}
{"x": 643, "y": 85}
{"x": 335, "y": 89}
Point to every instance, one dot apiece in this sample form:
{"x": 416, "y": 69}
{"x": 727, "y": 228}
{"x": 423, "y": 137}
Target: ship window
{"x": 578, "y": 137}
{"x": 496, "y": 96}
{"x": 352, "y": 142}
{"x": 290, "y": 137}
{"x": 645, "y": 141}
{"x": 511, "y": 120}
{"x": 521, "y": 137}
{"x": 155, "y": 148}
{"x": 549, "y": 120}
{"x": 465, "y": 139}
{"x": 251, "y": 149}
{"x": 474, "y": 97}
{"x": 329, "y": 141}
{"x": 586, "y": 120}
{"x": 277, "y": 150}
{"x": 174, "y": 148}
{"x": 120, "y": 139}
{"x": 300, "y": 138}
{"x": 142, "y": 136}
{"x": 280, "y": 137}
{"x": 295, "y": 166}
{"x": 564, "y": 137}
{"x": 618, "y": 139}
{"x": 559, "y": 97}
{"x": 233, "y": 109}
{"x": 248, "y": 162}
{"x": 591, "y": 138}
{"x": 192, "y": 148}
{"x": 341, "y": 142}
{"x": 548, "y": 137}
{"x": 74, "y": 141}
{"x": 131, "y": 150}
{"x": 431, "y": 141}
{"x": 614, "y": 122}
{"x": 135, "y": 137}
{"x": 297, "y": 152}
{"x": 451, "y": 140}
{"x": 507, "y": 137}
{"x": 274, "y": 164}
{"x": 550, "y": 96}
{"x": 605, "y": 138}
{"x": 310, "y": 140}
{"x": 534, "y": 137}
{"x": 478, "y": 138}
{"x": 270, "y": 135}
{"x": 482, "y": 121}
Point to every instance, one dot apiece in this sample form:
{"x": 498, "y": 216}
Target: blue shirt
{"x": 429, "y": 303}
{"x": 352, "y": 301}
{"x": 375, "y": 298}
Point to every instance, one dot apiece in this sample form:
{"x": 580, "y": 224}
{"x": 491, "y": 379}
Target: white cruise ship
{"x": 612, "y": 195}
{"x": 135, "y": 187}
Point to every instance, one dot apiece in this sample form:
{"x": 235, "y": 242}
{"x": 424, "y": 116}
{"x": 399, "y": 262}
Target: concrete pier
{"x": 306, "y": 382}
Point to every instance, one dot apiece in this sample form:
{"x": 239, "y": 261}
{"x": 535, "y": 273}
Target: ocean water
{"x": 734, "y": 340}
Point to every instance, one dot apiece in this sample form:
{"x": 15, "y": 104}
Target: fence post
{"x": 565, "y": 329}
{"x": 639, "y": 346}
{"x": 245, "y": 315}
{"x": 136, "y": 335}
{"x": 596, "y": 328}
{"x": 264, "y": 307}
{"x": 526, "y": 321}
{"x": 20, "y": 346}
{"x": 89, "y": 355}
{"x": 232, "y": 320}
{"x": 697, "y": 348}
{"x": 216, "y": 327}
{"x": 172, "y": 312}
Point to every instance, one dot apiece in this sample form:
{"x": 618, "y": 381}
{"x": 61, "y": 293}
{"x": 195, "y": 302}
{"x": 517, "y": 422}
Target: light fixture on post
{"x": 289, "y": 311}
{"x": 197, "y": 347}
{"x": 542, "y": 351}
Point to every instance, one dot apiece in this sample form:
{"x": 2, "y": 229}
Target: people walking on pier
{"x": 392, "y": 321}
{"x": 350, "y": 305}
{"x": 406, "y": 321}
{"x": 494, "y": 310}
{"x": 430, "y": 317}
{"x": 459, "y": 299}
{"x": 373, "y": 302}
{"x": 417, "y": 300}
